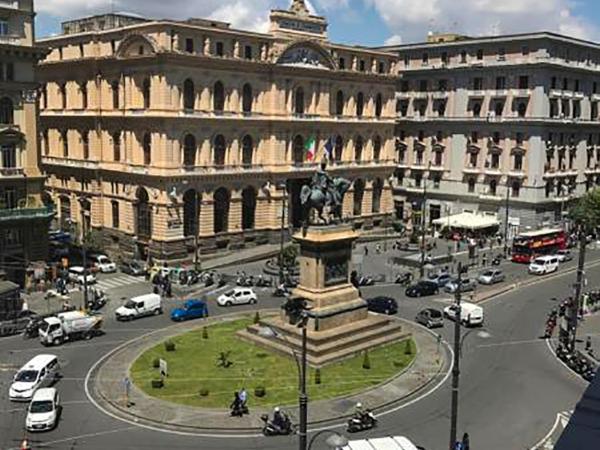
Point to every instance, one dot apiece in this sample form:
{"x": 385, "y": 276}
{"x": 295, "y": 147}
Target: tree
{"x": 92, "y": 240}
{"x": 586, "y": 212}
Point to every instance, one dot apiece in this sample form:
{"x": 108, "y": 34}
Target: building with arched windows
{"x": 212, "y": 125}
{"x": 23, "y": 218}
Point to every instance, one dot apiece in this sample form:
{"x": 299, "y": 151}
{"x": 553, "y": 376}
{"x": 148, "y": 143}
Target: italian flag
{"x": 311, "y": 148}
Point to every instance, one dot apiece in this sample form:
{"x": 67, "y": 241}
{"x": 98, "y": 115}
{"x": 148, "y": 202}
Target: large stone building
{"x": 488, "y": 122}
{"x": 24, "y": 220}
{"x": 167, "y": 133}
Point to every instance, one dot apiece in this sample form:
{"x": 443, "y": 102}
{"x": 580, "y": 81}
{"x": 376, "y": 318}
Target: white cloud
{"x": 395, "y": 39}
{"x": 412, "y": 19}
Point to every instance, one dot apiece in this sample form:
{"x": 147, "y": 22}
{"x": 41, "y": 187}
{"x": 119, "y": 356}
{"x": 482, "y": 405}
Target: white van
{"x": 384, "y": 443}
{"x": 471, "y": 315}
{"x": 43, "y": 411}
{"x": 544, "y": 264}
{"x": 144, "y": 305}
{"x": 41, "y": 371}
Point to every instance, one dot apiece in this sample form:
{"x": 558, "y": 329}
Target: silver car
{"x": 467, "y": 284}
{"x": 492, "y": 276}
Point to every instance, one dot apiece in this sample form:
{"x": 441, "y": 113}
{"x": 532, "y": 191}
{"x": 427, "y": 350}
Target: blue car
{"x": 192, "y": 309}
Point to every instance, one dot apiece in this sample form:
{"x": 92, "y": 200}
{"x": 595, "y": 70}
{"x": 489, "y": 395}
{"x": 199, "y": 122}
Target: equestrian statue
{"x": 325, "y": 195}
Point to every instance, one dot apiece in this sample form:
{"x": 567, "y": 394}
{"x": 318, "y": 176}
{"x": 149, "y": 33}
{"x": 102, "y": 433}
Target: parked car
{"x": 43, "y": 411}
{"x": 237, "y": 296}
{"x": 441, "y": 279}
{"x": 470, "y": 314}
{"x": 543, "y": 265}
{"x": 422, "y": 288}
{"x": 383, "y": 305}
{"x": 491, "y": 276}
{"x": 143, "y": 305}
{"x": 76, "y": 275}
{"x": 466, "y": 284}
{"x": 192, "y": 309}
{"x": 564, "y": 255}
{"x": 135, "y": 268}
{"x": 430, "y": 318}
{"x": 104, "y": 264}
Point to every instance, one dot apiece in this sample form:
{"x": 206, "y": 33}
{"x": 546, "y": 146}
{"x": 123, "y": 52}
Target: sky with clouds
{"x": 366, "y": 22}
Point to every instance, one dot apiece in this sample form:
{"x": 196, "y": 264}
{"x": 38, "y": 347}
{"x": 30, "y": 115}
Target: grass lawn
{"x": 193, "y": 367}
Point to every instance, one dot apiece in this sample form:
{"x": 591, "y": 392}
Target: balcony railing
{"x": 71, "y": 162}
{"x": 25, "y": 213}
{"x": 11, "y": 171}
{"x": 10, "y": 39}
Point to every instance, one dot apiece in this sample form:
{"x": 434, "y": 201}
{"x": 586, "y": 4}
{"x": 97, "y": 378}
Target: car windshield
{"x": 435, "y": 313}
{"x": 539, "y": 261}
{"x": 487, "y": 273}
{"x": 43, "y": 406}
{"x": 27, "y": 376}
{"x": 130, "y": 304}
{"x": 229, "y": 293}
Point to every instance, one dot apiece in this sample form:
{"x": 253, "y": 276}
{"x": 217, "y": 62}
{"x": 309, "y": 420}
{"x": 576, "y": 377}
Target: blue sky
{"x": 366, "y": 22}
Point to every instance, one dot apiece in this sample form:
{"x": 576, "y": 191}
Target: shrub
{"x": 157, "y": 384}
{"x": 203, "y": 392}
{"x": 366, "y": 362}
{"x": 256, "y": 318}
{"x": 156, "y": 363}
{"x": 317, "y": 376}
{"x": 170, "y": 346}
{"x": 204, "y": 333}
{"x": 408, "y": 348}
{"x": 260, "y": 391}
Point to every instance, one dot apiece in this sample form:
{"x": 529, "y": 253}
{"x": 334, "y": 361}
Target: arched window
{"x": 298, "y": 150}
{"x": 147, "y": 149}
{"x": 359, "y": 190}
{"x": 64, "y": 137}
{"x": 338, "y": 152}
{"x": 376, "y": 148}
{"x": 7, "y": 115}
{"x": 218, "y": 97}
{"x": 378, "y": 105}
{"x": 221, "y": 210}
{"x": 117, "y": 146}
{"x": 65, "y": 212}
{"x": 247, "y": 151}
{"x": 219, "y": 152}
{"x": 189, "y": 94}
{"x": 189, "y": 150}
{"x": 191, "y": 213}
{"x": 115, "y": 94}
{"x": 360, "y": 104}
{"x": 377, "y": 190}
{"x": 146, "y": 92}
{"x": 299, "y": 101}
{"x": 84, "y": 95}
{"x": 247, "y": 98}
{"x": 358, "y": 149}
{"x": 143, "y": 215}
{"x": 248, "y": 207}
{"x": 339, "y": 103}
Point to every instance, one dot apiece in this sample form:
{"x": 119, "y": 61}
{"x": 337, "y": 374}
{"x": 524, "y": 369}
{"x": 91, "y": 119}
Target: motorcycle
{"x": 281, "y": 292}
{"x": 264, "y": 282}
{"x": 366, "y": 280}
{"x": 239, "y": 410}
{"x": 361, "y": 422}
{"x": 32, "y": 329}
{"x": 270, "y": 429}
{"x": 97, "y": 299}
{"x": 404, "y": 279}
{"x": 497, "y": 260}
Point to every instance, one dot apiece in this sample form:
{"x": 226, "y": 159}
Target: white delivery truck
{"x": 70, "y": 325}
{"x": 384, "y": 443}
{"x": 144, "y": 305}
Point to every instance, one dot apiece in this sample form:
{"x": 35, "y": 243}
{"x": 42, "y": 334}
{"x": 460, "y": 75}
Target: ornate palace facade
{"x": 24, "y": 220}
{"x": 167, "y": 135}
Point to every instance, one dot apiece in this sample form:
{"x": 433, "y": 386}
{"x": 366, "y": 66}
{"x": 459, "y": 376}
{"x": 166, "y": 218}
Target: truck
{"x": 69, "y": 326}
{"x": 383, "y": 443}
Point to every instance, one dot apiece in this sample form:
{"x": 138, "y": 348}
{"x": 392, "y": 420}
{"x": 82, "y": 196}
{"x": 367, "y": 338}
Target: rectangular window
{"x": 443, "y": 85}
{"x": 3, "y": 27}
{"x": 404, "y": 86}
{"x": 463, "y": 56}
{"x": 10, "y": 72}
{"x": 381, "y": 67}
{"x": 553, "y": 83}
{"x": 523, "y": 82}
{"x": 219, "y": 49}
{"x": 479, "y": 54}
{"x": 406, "y": 60}
{"x": 248, "y": 52}
{"x": 1, "y": 71}
{"x": 576, "y": 85}
{"x": 478, "y": 83}
{"x": 361, "y": 65}
{"x": 501, "y": 54}
{"x": 10, "y": 198}
{"x": 423, "y": 85}
{"x": 115, "y": 214}
{"x": 425, "y": 59}
{"x": 9, "y": 156}
{"x": 444, "y": 57}
{"x": 525, "y": 50}
{"x": 189, "y": 45}
{"x": 500, "y": 83}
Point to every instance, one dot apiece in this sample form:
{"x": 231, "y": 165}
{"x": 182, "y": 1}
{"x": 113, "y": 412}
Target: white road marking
{"x": 484, "y": 334}
{"x": 501, "y": 344}
{"x": 562, "y": 419}
{"x": 83, "y": 436}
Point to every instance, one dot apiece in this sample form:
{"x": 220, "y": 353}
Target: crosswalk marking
{"x": 120, "y": 281}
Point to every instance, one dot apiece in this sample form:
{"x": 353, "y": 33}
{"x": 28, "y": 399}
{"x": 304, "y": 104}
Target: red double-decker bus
{"x": 530, "y": 244}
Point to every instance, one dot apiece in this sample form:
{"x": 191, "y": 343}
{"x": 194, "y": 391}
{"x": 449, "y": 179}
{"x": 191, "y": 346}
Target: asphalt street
{"x": 511, "y": 386}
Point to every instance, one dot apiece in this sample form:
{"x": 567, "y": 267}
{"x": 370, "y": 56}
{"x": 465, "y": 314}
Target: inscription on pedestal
{"x": 336, "y": 271}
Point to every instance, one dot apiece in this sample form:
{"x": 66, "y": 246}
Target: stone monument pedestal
{"x": 339, "y": 325}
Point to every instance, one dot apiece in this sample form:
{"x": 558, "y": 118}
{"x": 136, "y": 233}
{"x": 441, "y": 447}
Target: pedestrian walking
{"x": 588, "y": 343}
{"x": 366, "y": 251}
{"x": 243, "y": 396}
{"x": 465, "y": 442}
{"x": 127, "y": 391}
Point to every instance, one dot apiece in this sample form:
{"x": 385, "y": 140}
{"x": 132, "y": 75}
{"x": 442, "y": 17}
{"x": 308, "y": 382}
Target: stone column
{"x": 235, "y": 212}
{"x": 207, "y": 214}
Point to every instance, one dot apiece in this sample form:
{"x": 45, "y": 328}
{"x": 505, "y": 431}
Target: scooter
{"x": 366, "y": 280}
{"x": 497, "y": 260}
{"x": 239, "y": 410}
{"x": 361, "y": 422}
{"x": 32, "y": 329}
{"x": 404, "y": 279}
{"x": 270, "y": 429}
{"x": 281, "y": 292}
{"x": 264, "y": 282}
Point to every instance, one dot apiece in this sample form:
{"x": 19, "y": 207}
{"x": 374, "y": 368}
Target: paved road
{"x": 511, "y": 391}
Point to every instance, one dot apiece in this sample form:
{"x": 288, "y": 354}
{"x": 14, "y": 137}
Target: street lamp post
{"x": 282, "y": 237}
{"x": 506, "y": 209}
{"x": 456, "y": 367}
{"x": 196, "y": 230}
{"x": 423, "y": 212}
{"x": 578, "y": 286}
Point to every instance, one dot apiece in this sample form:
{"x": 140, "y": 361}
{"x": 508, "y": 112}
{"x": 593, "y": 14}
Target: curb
{"x": 119, "y": 411}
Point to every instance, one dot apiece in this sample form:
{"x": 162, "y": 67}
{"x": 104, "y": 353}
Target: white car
{"x": 104, "y": 264}
{"x": 564, "y": 255}
{"x": 237, "y": 296}
{"x": 470, "y": 314}
{"x": 42, "y": 414}
{"x": 543, "y": 265}
{"x": 76, "y": 274}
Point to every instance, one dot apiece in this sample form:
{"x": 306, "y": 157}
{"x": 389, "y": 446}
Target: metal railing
{"x": 25, "y": 213}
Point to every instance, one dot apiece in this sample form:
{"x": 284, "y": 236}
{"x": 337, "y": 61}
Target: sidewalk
{"x": 106, "y": 387}
{"x": 241, "y": 256}
{"x": 589, "y": 326}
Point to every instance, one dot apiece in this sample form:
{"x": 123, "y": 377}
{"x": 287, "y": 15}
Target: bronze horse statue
{"x": 317, "y": 198}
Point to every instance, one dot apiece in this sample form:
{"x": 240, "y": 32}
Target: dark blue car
{"x": 192, "y": 309}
